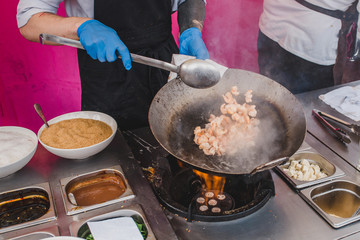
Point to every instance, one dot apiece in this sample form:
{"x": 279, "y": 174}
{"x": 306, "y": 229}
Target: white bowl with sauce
{"x": 17, "y": 147}
{"x": 83, "y": 152}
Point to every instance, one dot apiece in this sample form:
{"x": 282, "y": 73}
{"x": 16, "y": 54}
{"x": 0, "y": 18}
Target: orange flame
{"x": 212, "y": 182}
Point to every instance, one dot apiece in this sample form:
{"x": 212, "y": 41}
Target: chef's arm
{"x": 191, "y": 13}
{"x": 52, "y": 24}
{"x": 100, "y": 41}
{"x": 191, "y": 16}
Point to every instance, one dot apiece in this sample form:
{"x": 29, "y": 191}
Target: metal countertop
{"x": 310, "y": 100}
{"x": 285, "y": 216}
{"x": 46, "y": 167}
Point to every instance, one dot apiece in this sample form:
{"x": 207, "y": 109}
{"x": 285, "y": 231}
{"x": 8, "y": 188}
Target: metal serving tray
{"x": 35, "y": 234}
{"x": 125, "y": 212}
{"x": 313, "y": 156}
{"x": 48, "y": 216}
{"x": 336, "y": 201}
{"x": 72, "y": 209}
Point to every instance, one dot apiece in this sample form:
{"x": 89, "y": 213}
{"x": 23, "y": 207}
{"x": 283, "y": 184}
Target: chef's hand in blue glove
{"x": 102, "y": 42}
{"x": 191, "y": 43}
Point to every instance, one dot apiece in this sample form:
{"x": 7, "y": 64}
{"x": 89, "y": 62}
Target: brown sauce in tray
{"x": 97, "y": 193}
{"x": 96, "y": 189}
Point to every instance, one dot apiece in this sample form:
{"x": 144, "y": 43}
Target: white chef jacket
{"x": 303, "y": 32}
{"x": 73, "y": 8}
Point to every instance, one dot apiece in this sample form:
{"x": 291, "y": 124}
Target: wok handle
{"x": 270, "y": 165}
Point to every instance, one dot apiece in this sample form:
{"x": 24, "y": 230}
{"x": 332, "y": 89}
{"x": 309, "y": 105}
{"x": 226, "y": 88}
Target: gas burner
{"x": 213, "y": 202}
{"x": 182, "y": 190}
{"x": 244, "y": 195}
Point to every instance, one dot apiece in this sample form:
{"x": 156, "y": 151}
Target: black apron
{"x": 145, "y": 28}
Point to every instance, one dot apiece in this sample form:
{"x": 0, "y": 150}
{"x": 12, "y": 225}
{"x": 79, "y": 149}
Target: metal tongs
{"x": 336, "y": 131}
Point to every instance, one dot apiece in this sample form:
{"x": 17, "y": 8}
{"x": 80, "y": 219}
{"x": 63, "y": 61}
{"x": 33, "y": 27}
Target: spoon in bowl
{"x": 41, "y": 114}
{"x": 195, "y": 73}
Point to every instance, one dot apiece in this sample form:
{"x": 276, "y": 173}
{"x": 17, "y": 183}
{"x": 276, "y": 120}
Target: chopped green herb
{"x": 89, "y": 237}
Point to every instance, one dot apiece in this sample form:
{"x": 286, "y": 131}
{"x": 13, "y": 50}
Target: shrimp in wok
{"x": 234, "y": 129}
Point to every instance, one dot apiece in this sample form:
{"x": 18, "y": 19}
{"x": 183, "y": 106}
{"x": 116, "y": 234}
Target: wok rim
{"x": 300, "y": 139}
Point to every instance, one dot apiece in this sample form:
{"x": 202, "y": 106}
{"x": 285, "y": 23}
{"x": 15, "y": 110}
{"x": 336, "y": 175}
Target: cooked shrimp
{"x": 205, "y": 146}
{"x": 231, "y": 108}
{"x": 212, "y": 139}
{"x": 237, "y": 117}
{"x": 248, "y": 96}
{"x": 210, "y": 151}
{"x": 228, "y": 98}
{"x": 220, "y": 131}
{"x": 211, "y": 118}
{"x": 197, "y": 130}
{"x": 222, "y": 109}
{"x": 235, "y": 91}
{"x": 237, "y": 121}
{"x": 203, "y": 139}
{"x": 252, "y": 111}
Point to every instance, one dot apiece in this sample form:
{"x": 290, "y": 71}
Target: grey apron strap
{"x": 332, "y": 13}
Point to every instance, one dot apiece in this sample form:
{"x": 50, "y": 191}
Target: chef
{"x": 298, "y": 41}
{"x": 120, "y": 88}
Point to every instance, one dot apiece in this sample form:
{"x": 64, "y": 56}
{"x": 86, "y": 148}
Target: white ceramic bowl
{"x": 18, "y": 146}
{"x": 85, "y": 152}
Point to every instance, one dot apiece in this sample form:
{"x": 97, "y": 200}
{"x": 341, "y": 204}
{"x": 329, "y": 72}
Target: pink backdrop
{"x": 32, "y": 73}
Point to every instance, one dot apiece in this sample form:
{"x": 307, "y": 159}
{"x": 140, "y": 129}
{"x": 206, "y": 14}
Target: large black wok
{"x": 177, "y": 109}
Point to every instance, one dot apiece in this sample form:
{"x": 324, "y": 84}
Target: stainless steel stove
{"x": 190, "y": 193}
{"x": 282, "y": 214}
{"x": 196, "y": 195}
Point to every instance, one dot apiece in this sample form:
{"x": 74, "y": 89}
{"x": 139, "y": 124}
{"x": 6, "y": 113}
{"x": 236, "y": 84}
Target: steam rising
{"x": 269, "y": 143}
{"x": 178, "y": 109}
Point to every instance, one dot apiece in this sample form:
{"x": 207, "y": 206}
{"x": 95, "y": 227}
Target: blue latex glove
{"x": 102, "y": 42}
{"x": 191, "y": 43}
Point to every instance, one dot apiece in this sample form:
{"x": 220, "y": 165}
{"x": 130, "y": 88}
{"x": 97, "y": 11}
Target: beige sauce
{"x": 75, "y": 133}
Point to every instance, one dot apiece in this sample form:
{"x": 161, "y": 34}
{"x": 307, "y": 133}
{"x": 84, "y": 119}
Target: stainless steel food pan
{"x": 34, "y": 233}
{"x": 76, "y": 226}
{"x": 336, "y": 201}
{"x": 44, "y": 188}
{"x": 72, "y": 208}
{"x": 313, "y": 157}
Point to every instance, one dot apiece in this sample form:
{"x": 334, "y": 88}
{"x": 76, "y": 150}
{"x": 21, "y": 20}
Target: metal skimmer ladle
{"x": 195, "y": 73}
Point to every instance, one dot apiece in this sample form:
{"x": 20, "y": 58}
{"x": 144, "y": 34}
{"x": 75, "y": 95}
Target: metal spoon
{"x": 195, "y": 73}
{"x": 40, "y": 113}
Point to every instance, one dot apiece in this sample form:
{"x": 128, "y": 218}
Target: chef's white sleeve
{"x": 27, "y": 8}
